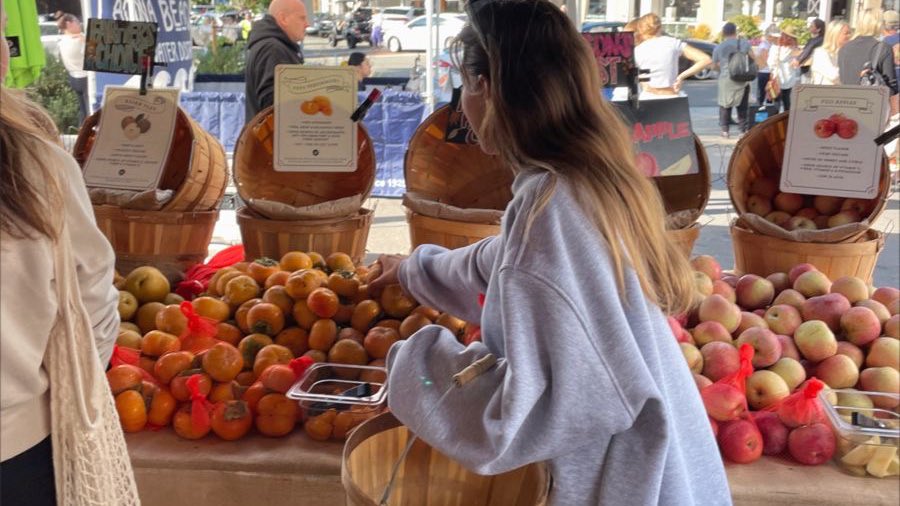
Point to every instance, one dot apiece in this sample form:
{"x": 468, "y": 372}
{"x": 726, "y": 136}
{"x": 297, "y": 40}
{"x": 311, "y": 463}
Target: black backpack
{"x": 870, "y": 76}
{"x": 741, "y": 67}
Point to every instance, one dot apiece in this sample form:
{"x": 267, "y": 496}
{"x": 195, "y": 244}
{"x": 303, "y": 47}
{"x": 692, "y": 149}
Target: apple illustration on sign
{"x": 647, "y": 164}
{"x": 135, "y": 126}
{"x": 839, "y": 124}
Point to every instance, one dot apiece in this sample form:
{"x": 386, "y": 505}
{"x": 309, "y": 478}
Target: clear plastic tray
{"x": 867, "y": 431}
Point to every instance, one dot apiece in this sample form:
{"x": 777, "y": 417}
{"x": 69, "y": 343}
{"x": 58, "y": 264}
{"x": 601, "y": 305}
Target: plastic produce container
{"x": 867, "y": 430}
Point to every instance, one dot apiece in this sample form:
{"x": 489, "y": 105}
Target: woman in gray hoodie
{"x": 576, "y": 288}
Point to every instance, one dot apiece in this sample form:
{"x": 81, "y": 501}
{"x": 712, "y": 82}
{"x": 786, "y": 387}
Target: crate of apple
{"x": 801, "y": 325}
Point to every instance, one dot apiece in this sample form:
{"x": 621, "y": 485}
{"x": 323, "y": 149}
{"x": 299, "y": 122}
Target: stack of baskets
{"x": 256, "y": 180}
{"x": 759, "y": 154}
{"x": 178, "y": 235}
{"x": 686, "y": 195}
{"x": 445, "y": 175}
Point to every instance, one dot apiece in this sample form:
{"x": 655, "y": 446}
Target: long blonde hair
{"x": 632, "y": 26}
{"x": 832, "y": 34}
{"x": 539, "y": 67}
{"x": 870, "y": 23}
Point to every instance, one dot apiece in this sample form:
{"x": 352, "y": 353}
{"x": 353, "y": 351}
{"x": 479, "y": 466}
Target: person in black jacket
{"x": 866, "y": 48}
{"x": 817, "y": 30}
{"x": 273, "y": 41}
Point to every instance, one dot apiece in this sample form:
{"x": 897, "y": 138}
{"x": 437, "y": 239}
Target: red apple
{"x": 861, "y": 325}
{"x": 779, "y": 218}
{"x": 881, "y": 379}
{"x": 843, "y": 218}
{"x": 740, "y": 441}
{"x": 886, "y": 295}
{"x": 783, "y": 319}
{"x": 750, "y": 320}
{"x": 764, "y": 342}
{"x": 780, "y": 280}
{"x": 862, "y": 207}
{"x": 788, "y": 348}
{"x": 827, "y": 205}
{"x": 707, "y": 332}
{"x": 759, "y": 205}
{"x": 827, "y": 308}
{"x": 723, "y": 402}
{"x": 824, "y": 128}
{"x": 851, "y": 287}
{"x": 774, "y": 433}
{"x": 812, "y": 284}
{"x": 852, "y": 351}
{"x": 714, "y": 425}
{"x": 838, "y": 371}
{"x": 878, "y": 308}
{"x": 791, "y": 371}
{"x": 717, "y": 308}
{"x": 847, "y": 129}
{"x": 646, "y": 162}
{"x": 725, "y": 290}
{"x": 765, "y": 388}
{"x": 707, "y": 265}
{"x": 800, "y": 223}
{"x": 720, "y": 360}
{"x": 821, "y": 221}
{"x": 731, "y": 279}
{"x": 764, "y": 187}
{"x": 809, "y": 213}
{"x": 701, "y": 381}
{"x": 754, "y": 292}
{"x": 703, "y": 284}
{"x": 799, "y": 269}
{"x": 789, "y": 202}
{"x": 812, "y": 444}
{"x": 892, "y": 327}
{"x": 790, "y": 297}
{"x": 815, "y": 341}
{"x": 884, "y": 352}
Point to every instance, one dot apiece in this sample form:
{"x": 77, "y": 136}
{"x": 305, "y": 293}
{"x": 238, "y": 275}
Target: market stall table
{"x": 298, "y": 471}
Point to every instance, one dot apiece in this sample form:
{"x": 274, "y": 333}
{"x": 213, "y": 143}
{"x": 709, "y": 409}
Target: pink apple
{"x": 838, "y": 371}
{"x": 815, "y": 340}
{"x": 766, "y": 345}
{"x": 788, "y": 202}
{"x": 884, "y": 352}
{"x": 799, "y": 269}
{"x": 791, "y": 371}
{"x": 812, "y": 444}
{"x": 731, "y": 279}
{"x": 790, "y": 297}
{"x": 707, "y": 332}
{"x": 861, "y": 325}
{"x": 725, "y": 290}
{"x": 780, "y": 280}
{"x": 720, "y": 360}
{"x": 703, "y": 284}
{"x": 843, "y": 218}
{"x": 807, "y": 212}
{"x": 749, "y": 321}
{"x": 740, "y": 441}
{"x": 827, "y": 205}
{"x": 783, "y": 319}
{"x": 707, "y": 265}
{"x": 764, "y": 187}
{"x": 827, "y": 308}
{"x": 800, "y": 223}
{"x": 894, "y": 307}
{"x": 851, "y": 287}
{"x": 701, "y": 381}
{"x": 886, "y": 295}
{"x": 881, "y": 379}
{"x": 779, "y": 218}
{"x": 862, "y": 207}
{"x": 788, "y": 348}
{"x": 774, "y": 433}
{"x": 714, "y": 425}
{"x": 892, "y": 327}
{"x": 759, "y": 205}
{"x": 760, "y": 312}
{"x": 878, "y": 308}
{"x": 812, "y": 284}
{"x": 821, "y": 221}
{"x": 692, "y": 356}
{"x": 754, "y": 292}
{"x": 723, "y": 402}
{"x": 852, "y": 351}
{"x": 765, "y": 388}
{"x": 717, "y": 308}
{"x": 674, "y": 325}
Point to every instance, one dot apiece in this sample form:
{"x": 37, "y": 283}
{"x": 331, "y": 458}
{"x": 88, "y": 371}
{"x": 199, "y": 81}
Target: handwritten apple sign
{"x": 663, "y": 137}
{"x": 614, "y": 52}
{"x": 118, "y": 46}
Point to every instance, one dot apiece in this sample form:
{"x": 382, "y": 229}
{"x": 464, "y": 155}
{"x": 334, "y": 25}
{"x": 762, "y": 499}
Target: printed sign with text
{"x": 661, "y": 129}
{"x": 313, "y": 129}
{"x": 829, "y": 148}
{"x": 133, "y": 139}
{"x": 614, "y": 52}
{"x": 118, "y": 46}
{"x": 458, "y": 129}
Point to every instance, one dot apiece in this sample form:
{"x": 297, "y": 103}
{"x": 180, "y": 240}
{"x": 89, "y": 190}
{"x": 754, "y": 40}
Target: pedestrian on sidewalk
{"x": 658, "y": 54}
{"x": 578, "y": 199}
{"x": 824, "y": 68}
{"x": 782, "y": 71}
{"x": 817, "y": 38}
{"x": 732, "y": 94}
{"x": 71, "y": 52}
{"x": 769, "y": 38}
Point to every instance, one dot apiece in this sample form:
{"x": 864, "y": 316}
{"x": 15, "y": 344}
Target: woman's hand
{"x": 384, "y": 272}
{"x": 679, "y": 81}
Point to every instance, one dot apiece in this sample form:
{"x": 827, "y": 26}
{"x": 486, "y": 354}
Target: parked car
{"x": 50, "y": 37}
{"x": 413, "y": 36}
{"x": 392, "y": 18}
{"x": 706, "y": 47}
{"x": 321, "y": 24}
{"x": 356, "y": 27}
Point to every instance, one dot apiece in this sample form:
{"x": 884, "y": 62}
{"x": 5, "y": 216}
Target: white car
{"x": 392, "y": 18}
{"x": 414, "y": 35}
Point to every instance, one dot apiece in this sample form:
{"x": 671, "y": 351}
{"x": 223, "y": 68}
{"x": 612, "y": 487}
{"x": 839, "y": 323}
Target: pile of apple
{"x": 265, "y": 323}
{"x": 792, "y": 211}
{"x": 800, "y": 325}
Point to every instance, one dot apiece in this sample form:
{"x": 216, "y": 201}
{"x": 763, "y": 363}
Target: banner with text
{"x": 614, "y": 52}
{"x": 662, "y": 132}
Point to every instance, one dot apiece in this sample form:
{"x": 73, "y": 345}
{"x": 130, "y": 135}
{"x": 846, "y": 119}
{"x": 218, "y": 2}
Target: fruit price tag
{"x": 313, "y": 128}
{"x": 133, "y": 139}
{"x": 830, "y": 148}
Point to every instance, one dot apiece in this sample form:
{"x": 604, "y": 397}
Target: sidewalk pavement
{"x": 389, "y": 232}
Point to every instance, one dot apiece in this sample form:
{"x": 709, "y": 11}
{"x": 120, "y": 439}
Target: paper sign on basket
{"x": 133, "y": 139}
{"x": 313, "y": 129}
{"x": 830, "y": 148}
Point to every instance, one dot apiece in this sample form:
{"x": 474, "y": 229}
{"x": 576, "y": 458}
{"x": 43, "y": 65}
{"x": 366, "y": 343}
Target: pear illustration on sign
{"x": 133, "y": 126}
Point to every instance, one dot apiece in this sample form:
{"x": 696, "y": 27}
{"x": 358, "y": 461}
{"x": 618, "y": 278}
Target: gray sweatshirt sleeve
{"x": 548, "y": 396}
{"x": 450, "y": 280}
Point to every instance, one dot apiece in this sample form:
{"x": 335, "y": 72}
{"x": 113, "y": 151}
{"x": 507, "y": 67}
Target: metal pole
{"x": 87, "y": 12}
{"x": 429, "y": 56}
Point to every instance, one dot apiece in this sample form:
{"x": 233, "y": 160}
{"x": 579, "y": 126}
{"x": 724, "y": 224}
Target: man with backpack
{"x": 737, "y": 69}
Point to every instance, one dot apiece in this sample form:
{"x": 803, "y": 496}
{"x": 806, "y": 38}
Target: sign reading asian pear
{"x": 133, "y": 139}
{"x": 313, "y": 129}
{"x": 830, "y": 148}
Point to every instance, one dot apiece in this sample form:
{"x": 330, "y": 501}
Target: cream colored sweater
{"x": 28, "y": 306}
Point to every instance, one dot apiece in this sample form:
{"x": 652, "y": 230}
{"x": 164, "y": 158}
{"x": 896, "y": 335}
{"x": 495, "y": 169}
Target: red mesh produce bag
{"x": 797, "y": 426}
{"x": 802, "y": 407}
{"x": 124, "y": 355}
{"x": 200, "y": 332}
{"x": 196, "y": 279}
{"x": 200, "y": 406}
{"x": 726, "y": 399}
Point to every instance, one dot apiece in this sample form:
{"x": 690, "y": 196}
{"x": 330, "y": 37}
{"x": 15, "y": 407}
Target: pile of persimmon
{"x": 266, "y": 315}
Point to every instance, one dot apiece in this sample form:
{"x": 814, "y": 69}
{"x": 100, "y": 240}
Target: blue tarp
{"x": 391, "y": 122}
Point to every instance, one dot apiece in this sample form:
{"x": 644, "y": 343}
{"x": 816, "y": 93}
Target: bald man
{"x": 273, "y": 41}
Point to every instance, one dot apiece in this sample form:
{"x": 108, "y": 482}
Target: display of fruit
{"x": 222, "y": 362}
{"x": 842, "y": 332}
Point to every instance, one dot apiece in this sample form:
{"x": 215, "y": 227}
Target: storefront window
{"x": 732, "y": 8}
{"x": 890, "y": 5}
{"x": 685, "y": 10}
{"x": 792, "y": 9}
{"x": 597, "y": 9}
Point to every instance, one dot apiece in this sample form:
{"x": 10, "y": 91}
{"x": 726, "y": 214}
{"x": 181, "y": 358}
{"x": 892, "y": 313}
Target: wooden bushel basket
{"x": 196, "y": 169}
{"x": 263, "y": 237}
{"x": 256, "y": 178}
{"x": 171, "y": 241}
{"x": 427, "y": 477}
{"x": 763, "y": 255}
{"x": 690, "y": 191}
{"x": 760, "y": 153}
{"x": 684, "y": 238}
{"x": 460, "y": 175}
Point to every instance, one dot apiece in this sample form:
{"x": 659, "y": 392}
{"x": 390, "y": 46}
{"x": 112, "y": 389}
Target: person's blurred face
{"x": 294, "y": 22}
{"x": 844, "y": 36}
{"x": 73, "y": 26}
{"x": 365, "y": 68}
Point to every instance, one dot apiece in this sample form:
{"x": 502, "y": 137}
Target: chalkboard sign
{"x": 118, "y": 46}
{"x": 614, "y": 52}
{"x": 458, "y": 130}
{"x": 661, "y": 130}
